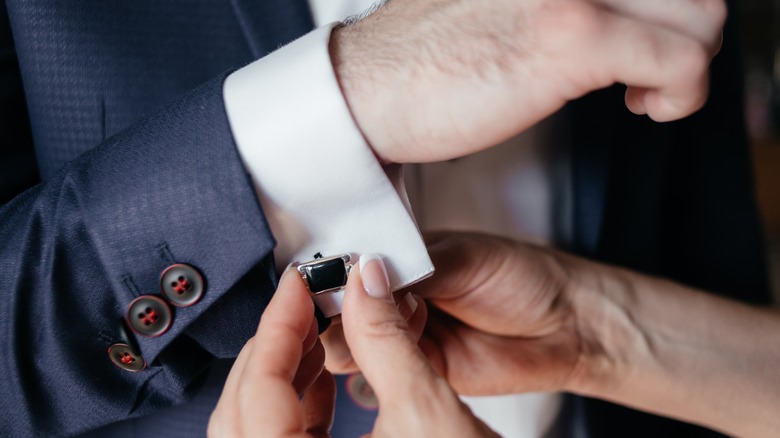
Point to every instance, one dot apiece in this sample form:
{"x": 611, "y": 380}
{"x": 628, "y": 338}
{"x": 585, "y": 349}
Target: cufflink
{"x": 326, "y": 277}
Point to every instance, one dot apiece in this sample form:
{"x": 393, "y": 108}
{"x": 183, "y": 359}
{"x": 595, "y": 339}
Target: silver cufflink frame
{"x": 329, "y": 299}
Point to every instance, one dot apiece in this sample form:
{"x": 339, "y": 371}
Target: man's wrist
{"x": 317, "y": 180}
{"x": 382, "y": 85}
{"x": 343, "y": 55}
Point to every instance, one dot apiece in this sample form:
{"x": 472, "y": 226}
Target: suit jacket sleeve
{"x": 77, "y": 249}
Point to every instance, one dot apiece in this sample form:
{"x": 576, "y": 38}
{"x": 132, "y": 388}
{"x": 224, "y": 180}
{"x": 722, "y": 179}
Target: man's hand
{"x": 281, "y": 364}
{"x": 432, "y": 80}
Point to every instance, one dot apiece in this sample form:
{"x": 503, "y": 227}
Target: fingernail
{"x": 288, "y": 270}
{"x": 407, "y": 304}
{"x": 374, "y": 276}
{"x": 409, "y": 298}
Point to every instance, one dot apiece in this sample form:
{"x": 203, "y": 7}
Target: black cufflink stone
{"x": 325, "y": 278}
{"x": 324, "y": 275}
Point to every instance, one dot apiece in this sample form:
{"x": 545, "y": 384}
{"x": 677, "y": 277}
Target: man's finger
{"x": 700, "y": 19}
{"x": 672, "y": 66}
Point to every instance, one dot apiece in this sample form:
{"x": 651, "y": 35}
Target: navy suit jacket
{"x": 116, "y": 160}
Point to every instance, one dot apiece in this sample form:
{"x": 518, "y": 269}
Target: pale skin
{"x": 283, "y": 362}
{"x": 433, "y": 80}
{"x": 509, "y": 317}
{"x": 525, "y": 318}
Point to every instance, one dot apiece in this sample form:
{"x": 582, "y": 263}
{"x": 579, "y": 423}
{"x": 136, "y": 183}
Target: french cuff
{"x": 321, "y": 187}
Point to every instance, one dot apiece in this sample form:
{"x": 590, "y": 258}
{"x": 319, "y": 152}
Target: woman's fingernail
{"x": 407, "y": 304}
{"x": 409, "y": 298}
{"x": 374, "y": 276}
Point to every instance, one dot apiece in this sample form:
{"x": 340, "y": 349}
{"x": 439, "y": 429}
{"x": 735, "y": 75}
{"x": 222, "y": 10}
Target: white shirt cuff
{"x": 319, "y": 183}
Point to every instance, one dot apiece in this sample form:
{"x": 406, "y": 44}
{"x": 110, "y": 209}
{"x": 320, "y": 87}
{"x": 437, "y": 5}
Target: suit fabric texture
{"x": 117, "y": 161}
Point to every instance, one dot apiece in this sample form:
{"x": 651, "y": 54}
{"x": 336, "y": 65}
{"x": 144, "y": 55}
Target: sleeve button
{"x": 149, "y": 316}
{"x": 123, "y": 356}
{"x": 182, "y": 285}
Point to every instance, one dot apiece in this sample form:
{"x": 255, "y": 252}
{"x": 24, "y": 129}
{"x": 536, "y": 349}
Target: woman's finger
{"x": 339, "y": 358}
{"x": 318, "y": 405}
{"x": 310, "y": 368}
{"x": 379, "y": 337}
{"x": 259, "y": 396}
{"x": 285, "y": 326}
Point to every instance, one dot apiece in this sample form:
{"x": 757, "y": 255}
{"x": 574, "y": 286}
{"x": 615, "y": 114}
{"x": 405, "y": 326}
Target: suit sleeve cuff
{"x": 321, "y": 187}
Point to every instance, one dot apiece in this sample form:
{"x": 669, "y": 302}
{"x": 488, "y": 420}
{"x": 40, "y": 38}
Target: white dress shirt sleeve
{"x": 319, "y": 183}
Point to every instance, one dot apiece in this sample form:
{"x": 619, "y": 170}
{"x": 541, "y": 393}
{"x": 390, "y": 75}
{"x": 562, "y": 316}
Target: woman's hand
{"x": 513, "y": 317}
{"x": 503, "y": 311}
{"x": 339, "y": 358}
{"x": 281, "y": 364}
{"x": 414, "y": 400}
{"x": 285, "y": 361}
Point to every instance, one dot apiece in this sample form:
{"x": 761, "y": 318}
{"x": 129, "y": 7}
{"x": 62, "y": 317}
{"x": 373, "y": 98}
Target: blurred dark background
{"x": 761, "y": 65}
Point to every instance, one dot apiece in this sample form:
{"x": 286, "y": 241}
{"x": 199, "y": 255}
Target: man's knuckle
{"x": 692, "y": 59}
{"x": 716, "y": 10}
{"x": 575, "y": 21}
